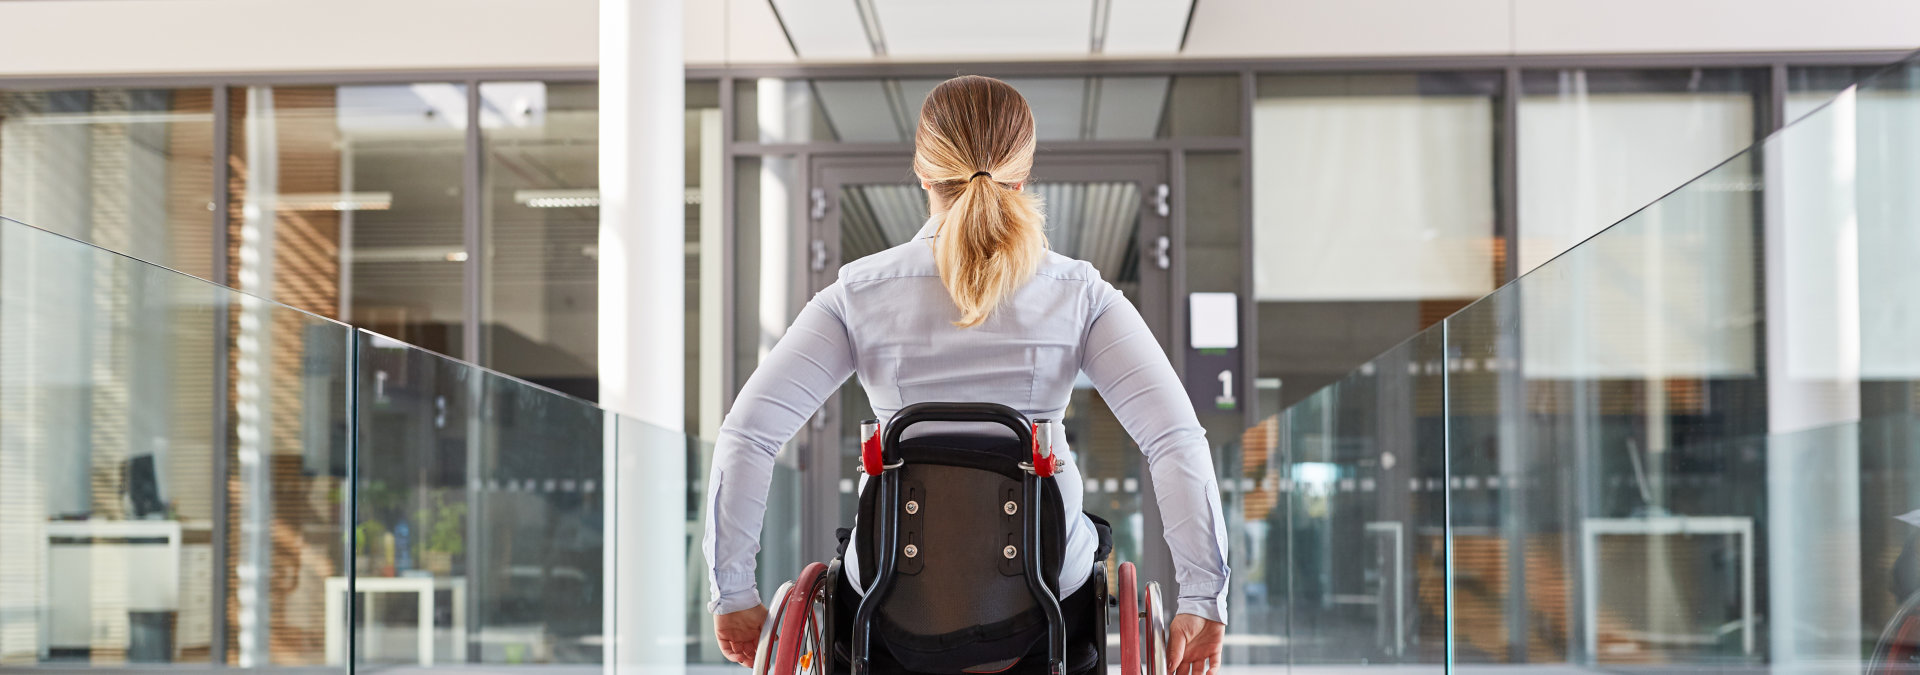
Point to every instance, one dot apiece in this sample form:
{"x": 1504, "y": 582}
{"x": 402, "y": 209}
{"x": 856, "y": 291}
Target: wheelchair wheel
{"x": 1156, "y": 619}
{"x": 790, "y": 640}
{"x": 1129, "y": 620}
{"x": 1899, "y": 648}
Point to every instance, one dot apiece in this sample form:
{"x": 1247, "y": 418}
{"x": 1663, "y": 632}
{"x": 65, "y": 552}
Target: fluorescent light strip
{"x": 556, "y": 199}
{"x": 334, "y": 201}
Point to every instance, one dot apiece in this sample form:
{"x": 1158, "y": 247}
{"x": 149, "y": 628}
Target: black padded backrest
{"x": 960, "y": 602}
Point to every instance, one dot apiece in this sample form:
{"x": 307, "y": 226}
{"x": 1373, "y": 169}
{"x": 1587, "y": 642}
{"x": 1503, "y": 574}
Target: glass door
{"x": 1108, "y": 209}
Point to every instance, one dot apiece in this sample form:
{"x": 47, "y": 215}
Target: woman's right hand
{"x": 739, "y": 633}
{"x": 1193, "y": 645}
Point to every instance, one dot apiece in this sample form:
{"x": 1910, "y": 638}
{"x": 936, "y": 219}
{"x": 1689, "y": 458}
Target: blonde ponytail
{"x": 973, "y": 147}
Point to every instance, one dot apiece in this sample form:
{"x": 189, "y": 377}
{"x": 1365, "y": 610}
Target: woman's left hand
{"x": 739, "y": 633}
{"x": 1193, "y": 645}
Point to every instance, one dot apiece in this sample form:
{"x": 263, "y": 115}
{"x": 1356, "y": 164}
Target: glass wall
{"x": 130, "y": 170}
{"x": 540, "y": 237}
{"x": 1594, "y": 145}
{"x": 481, "y": 507}
{"x": 347, "y": 202}
{"x": 1374, "y": 214}
{"x": 166, "y": 497}
{"x": 343, "y": 501}
{"x": 541, "y": 232}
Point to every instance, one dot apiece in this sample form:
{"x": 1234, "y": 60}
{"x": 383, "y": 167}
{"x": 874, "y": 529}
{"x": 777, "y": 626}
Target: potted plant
{"x": 442, "y": 534}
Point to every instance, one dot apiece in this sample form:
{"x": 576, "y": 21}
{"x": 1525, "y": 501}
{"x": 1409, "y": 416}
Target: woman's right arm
{"x": 804, "y": 368}
{"x": 1133, "y": 375}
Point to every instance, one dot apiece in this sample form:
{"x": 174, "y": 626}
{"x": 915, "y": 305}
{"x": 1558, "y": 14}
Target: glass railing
{"x": 190, "y": 475}
{"x": 1689, "y": 443}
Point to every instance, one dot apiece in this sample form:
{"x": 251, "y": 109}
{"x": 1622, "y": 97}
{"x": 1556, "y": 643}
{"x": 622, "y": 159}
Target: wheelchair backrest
{"x": 959, "y": 594}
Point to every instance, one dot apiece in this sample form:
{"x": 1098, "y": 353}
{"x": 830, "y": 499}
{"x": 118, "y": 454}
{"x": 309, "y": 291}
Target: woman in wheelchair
{"x": 970, "y": 553}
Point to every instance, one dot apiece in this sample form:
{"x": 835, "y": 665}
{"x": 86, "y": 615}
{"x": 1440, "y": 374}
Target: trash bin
{"x": 150, "y": 637}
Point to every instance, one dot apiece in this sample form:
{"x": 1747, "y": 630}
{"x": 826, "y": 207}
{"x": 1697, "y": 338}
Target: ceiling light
{"x": 556, "y": 199}
{"x": 334, "y": 201}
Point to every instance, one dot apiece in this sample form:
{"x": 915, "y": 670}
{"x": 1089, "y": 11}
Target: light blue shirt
{"x": 888, "y": 319}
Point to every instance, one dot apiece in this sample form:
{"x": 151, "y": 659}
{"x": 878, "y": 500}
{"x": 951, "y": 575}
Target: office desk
{"x": 423, "y": 590}
{"x": 1592, "y": 529}
{"x": 121, "y": 566}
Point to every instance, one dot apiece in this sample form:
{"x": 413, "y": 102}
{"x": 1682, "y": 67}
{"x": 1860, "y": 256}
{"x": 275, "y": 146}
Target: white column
{"x": 253, "y": 387}
{"x": 1813, "y": 395}
{"x": 642, "y": 329}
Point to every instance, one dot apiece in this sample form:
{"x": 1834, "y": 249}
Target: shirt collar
{"x": 929, "y": 230}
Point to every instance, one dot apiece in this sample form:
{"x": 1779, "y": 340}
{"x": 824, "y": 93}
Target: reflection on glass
{"x": 347, "y": 202}
{"x": 129, "y": 170}
{"x": 541, "y": 230}
{"x": 138, "y": 531}
{"x": 1373, "y": 215}
{"x": 1666, "y": 449}
{"x": 481, "y": 503}
{"x": 1365, "y": 521}
{"x": 1129, "y": 107}
{"x": 1594, "y": 145}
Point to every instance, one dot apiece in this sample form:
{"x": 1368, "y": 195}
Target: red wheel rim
{"x": 1129, "y": 620}
{"x": 799, "y": 609}
{"x": 1151, "y": 650}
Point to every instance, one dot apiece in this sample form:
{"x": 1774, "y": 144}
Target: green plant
{"x": 378, "y": 501}
{"x": 441, "y": 526}
{"x": 364, "y": 532}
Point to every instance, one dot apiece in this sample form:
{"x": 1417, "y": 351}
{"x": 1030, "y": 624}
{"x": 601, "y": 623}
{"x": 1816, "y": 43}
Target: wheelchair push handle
{"x": 1038, "y": 434}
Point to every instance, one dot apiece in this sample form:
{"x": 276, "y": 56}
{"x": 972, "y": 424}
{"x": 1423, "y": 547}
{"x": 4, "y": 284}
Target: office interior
{"x": 1528, "y": 336}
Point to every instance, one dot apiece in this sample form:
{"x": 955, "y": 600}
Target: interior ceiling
{"x": 1064, "y": 108}
{"x": 828, "y": 30}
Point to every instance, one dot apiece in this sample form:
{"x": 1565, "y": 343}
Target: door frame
{"x": 1160, "y": 272}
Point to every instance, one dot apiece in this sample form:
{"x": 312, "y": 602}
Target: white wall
{"x": 138, "y": 37}
{"x": 53, "y": 38}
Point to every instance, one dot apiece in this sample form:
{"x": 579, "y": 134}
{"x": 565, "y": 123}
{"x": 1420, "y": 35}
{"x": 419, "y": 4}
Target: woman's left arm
{"x": 804, "y": 368}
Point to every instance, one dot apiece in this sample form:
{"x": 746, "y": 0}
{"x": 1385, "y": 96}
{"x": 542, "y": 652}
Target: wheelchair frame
{"x": 798, "y": 634}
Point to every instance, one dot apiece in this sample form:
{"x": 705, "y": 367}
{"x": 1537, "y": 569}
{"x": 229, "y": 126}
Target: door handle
{"x": 1161, "y": 195}
{"x": 819, "y": 199}
{"x": 1163, "y": 252}
{"x": 819, "y": 256}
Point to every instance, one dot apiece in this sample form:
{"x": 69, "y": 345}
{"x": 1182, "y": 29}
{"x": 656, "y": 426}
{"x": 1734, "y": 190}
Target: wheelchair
{"x": 960, "y": 546}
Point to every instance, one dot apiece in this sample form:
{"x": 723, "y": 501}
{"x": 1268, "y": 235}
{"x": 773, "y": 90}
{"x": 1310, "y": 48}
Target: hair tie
{"x": 978, "y": 174}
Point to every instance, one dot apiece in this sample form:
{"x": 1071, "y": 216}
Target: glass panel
{"x": 1809, "y": 87}
{"x": 347, "y": 203}
{"x": 481, "y": 506}
{"x": 1663, "y": 455}
{"x": 1111, "y": 107}
{"x": 1340, "y": 274}
{"x": 1595, "y": 145}
{"x": 129, "y": 170}
{"x": 541, "y": 235}
{"x": 1367, "y": 543}
{"x": 701, "y": 647}
{"x": 166, "y": 496}
{"x": 1602, "y": 509}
